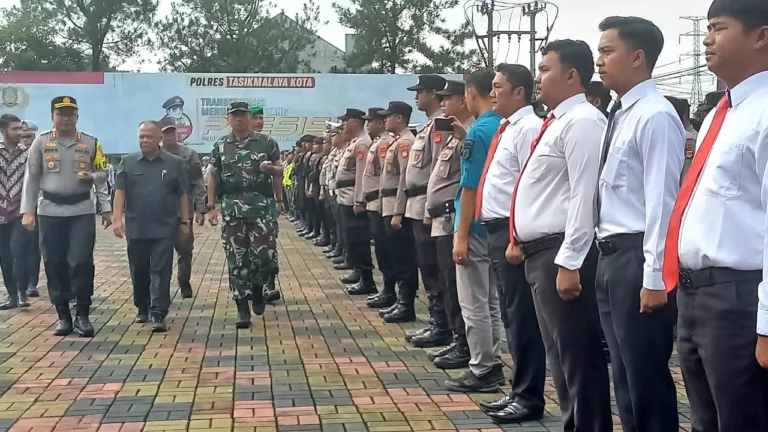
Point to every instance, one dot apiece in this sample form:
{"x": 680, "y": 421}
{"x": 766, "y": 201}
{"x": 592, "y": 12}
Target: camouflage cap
{"x": 238, "y": 107}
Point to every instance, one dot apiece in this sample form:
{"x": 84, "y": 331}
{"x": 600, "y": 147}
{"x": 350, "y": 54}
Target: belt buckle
{"x": 684, "y": 279}
{"x": 606, "y": 247}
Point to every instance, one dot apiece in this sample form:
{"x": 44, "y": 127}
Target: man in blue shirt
{"x": 479, "y": 303}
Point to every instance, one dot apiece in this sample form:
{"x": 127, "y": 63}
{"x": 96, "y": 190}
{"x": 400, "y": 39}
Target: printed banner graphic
{"x": 113, "y": 104}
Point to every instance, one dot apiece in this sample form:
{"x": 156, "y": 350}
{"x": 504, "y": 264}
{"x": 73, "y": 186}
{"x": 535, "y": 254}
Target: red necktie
{"x": 534, "y": 143}
{"x": 488, "y": 160}
{"x": 671, "y": 266}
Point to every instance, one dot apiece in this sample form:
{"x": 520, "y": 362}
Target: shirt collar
{"x": 750, "y": 85}
{"x": 519, "y": 114}
{"x": 438, "y": 113}
{"x": 568, "y": 104}
{"x": 152, "y": 158}
{"x": 636, "y": 93}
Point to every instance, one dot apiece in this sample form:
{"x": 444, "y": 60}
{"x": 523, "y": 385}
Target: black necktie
{"x": 609, "y": 134}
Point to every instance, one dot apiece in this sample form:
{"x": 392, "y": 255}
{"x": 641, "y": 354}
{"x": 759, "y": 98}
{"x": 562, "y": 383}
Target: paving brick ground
{"x": 318, "y": 361}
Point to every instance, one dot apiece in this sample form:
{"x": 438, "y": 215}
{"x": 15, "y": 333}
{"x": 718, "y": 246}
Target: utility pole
{"x": 697, "y": 94}
{"x": 530, "y": 10}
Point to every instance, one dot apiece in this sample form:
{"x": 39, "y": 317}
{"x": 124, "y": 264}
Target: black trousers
{"x": 716, "y": 338}
{"x": 426, "y": 253}
{"x": 15, "y": 242}
{"x": 383, "y": 249}
{"x": 406, "y": 269}
{"x": 447, "y": 268}
{"x": 151, "y": 263}
{"x": 329, "y": 224}
{"x": 34, "y": 257}
{"x": 358, "y": 241}
{"x": 341, "y": 232}
{"x": 318, "y": 215}
{"x": 640, "y": 344}
{"x": 67, "y": 244}
{"x": 309, "y": 212}
{"x": 521, "y": 326}
{"x": 571, "y": 334}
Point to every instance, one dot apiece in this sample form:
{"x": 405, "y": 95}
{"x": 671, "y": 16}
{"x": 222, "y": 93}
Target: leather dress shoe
{"x": 382, "y": 301}
{"x": 434, "y": 338}
{"x": 432, "y": 355}
{"x": 402, "y": 314}
{"x": 312, "y": 236}
{"x": 33, "y": 292}
{"x": 411, "y": 334}
{"x": 351, "y": 278}
{"x": 342, "y": 266}
{"x": 12, "y": 303}
{"x": 388, "y": 310}
{"x": 514, "y": 413}
{"x": 338, "y": 260}
{"x": 321, "y": 242}
{"x": 83, "y": 326}
{"x": 329, "y": 248}
{"x": 497, "y": 405}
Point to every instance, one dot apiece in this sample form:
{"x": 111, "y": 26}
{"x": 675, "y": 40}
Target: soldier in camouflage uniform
{"x": 247, "y": 178}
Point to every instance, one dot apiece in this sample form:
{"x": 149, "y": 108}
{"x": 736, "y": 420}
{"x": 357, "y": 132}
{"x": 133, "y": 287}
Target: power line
{"x": 697, "y": 94}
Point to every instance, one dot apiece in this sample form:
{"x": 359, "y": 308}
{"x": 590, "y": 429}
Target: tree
{"x": 112, "y": 31}
{"x": 27, "y": 42}
{"x": 237, "y": 36}
{"x": 454, "y": 55}
{"x": 389, "y": 33}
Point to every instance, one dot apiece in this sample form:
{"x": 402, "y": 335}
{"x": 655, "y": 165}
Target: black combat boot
{"x": 438, "y": 335}
{"x": 404, "y": 310}
{"x": 456, "y": 359}
{"x": 366, "y": 285}
{"x": 32, "y": 291}
{"x": 243, "y": 313}
{"x": 321, "y": 242}
{"x": 351, "y": 278}
{"x": 344, "y": 265}
{"x": 82, "y": 324}
{"x": 64, "y": 326}
{"x": 384, "y": 299}
{"x": 339, "y": 251}
{"x": 271, "y": 294}
{"x": 412, "y": 334}
{"x": 432, "y": 355}
{"x": 388, "y": 310}
{"x": 13, "y": 301}
{"x": 259, "y": 304}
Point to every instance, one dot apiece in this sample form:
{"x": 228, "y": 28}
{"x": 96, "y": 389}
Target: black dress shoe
{"x": 186, "y": 290}
{"x": 455, "y": 359}
{"x": 402, "y": 314}
{"x": 432, "y": 355}
{"x": 312, "y": 236}
{"x": 329, "y": 249}
{"x": 141, "y": 318}
{"x": 515, "y": 413}
{"x": 335, "y": 254}
{"x": 388, "y": 310}
{"x": 338, "y": 260}
{"x": 411, "y": 334}
{"x": 243, "y": 314}
{"x": 63, "y": 327}
{"x": 362, "y": 289}
{"x": 498, "y": 405}
{"x": 351, "y": 279}
{"x": 12, "y": 303}
{"x": 471, "y": 383}
{"x": 83, "y": 326}
{"x": 321, "y": 242}
{"x": 33, "y": 292}
{"x": 342, "y": 266}
{"x": 382, "y": 301}
{"x": 434, "y": 338}
{"x": 158, "y": 325}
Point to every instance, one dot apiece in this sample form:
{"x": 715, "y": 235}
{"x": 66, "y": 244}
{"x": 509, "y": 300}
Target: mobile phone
{"x": 443, "y": 125}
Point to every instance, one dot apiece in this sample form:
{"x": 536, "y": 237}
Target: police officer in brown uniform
{"x": 393, "y": 203}
{"x": 422, "y": 159}
{"x": 339, "y": 257}
{"x": 349, "y": 190}
{"x": 441, "y": 192}
{"x": 371, "y": 182}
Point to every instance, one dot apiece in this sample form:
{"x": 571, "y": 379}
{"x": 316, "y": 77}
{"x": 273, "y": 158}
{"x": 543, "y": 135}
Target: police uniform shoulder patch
{"x": 437, "y": 137}
{"x": 404, "y": 149}
{"x": 466, "y": 152}
{"x": 383, "y": 151}
{"x": 360, "y": 152}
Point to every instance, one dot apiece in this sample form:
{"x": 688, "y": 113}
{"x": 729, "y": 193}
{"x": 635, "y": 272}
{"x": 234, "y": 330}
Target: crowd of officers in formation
{"x": 580, "y": 227}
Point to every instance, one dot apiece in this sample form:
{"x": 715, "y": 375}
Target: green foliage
{"x": 237, "y": 36}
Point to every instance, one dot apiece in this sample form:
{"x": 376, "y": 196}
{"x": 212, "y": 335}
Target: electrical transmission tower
{"x": 697, "y": 94}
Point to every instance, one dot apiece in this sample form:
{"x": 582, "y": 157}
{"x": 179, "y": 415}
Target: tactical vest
{"x": 240, "y": 172}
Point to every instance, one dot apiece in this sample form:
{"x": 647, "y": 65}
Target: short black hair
{"x": 482, "y": 81}
{"x": 596, "y": 89}
{"x": 518, "y": 76}
{"x": 639, "y": 34}
{"x": 753, "y": 14}
{"x": 682, "y": 107}
{"x": 7, "y": 119}
{"x": 574, "y": 54}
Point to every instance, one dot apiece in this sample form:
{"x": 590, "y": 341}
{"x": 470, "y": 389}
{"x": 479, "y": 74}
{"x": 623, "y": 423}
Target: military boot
{"x": 351, "y": 278}
{"x": 432, "y": 355}
{"x": 82, "y": 324}
{"x": 259, "y": 304}
{"x": 384, "y": 299}
{"x": 404, "y": 310}
{"x": 412, "y": 334}
{"x": 64, "y": 326}
{"x": 271, "y": 294}
{"x": 457, "y": 358}
{"x": 243, "y": 314}
{"x": 435, "y": 337}
{"x": 366, "y": 285}
{"x": 388, "y": 310}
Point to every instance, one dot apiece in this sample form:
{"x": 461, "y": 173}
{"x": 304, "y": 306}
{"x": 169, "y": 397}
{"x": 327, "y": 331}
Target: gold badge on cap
{"x": 51, "y": 165}
{"x": 67, "y": 99}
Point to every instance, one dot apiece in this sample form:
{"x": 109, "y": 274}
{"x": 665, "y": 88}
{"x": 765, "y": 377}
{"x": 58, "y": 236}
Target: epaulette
{"x": 48, "y": 132}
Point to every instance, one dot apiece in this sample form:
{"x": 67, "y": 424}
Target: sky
{"x": 578, "y": 19}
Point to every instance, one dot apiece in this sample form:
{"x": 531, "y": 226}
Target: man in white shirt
{"x": 640, "y": 163}
{"x": 511, "y": 97}
{"x": 716, "y": 240}
{"x": 552, "y": 221}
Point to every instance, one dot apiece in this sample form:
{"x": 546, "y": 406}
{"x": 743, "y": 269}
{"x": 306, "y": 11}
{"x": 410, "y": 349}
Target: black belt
{"x": 66, "y": 199}
{"x": 341, "y": 184}
{"x": 612, "y": 244}
{"x": 494, "y": 226}
{"x": 533, "y": 247}
{"x": 444, "y": 209}
{"x": 416, "y": 191}
{"x": 371, "y": 196}
{"x": 692, "y": 279}
{"x": 388, "y": 193}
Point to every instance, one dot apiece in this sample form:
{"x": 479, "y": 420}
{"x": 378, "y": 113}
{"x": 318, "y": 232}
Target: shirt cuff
{"x": 569, "y": 259}
{"x": 762, "y": 322}
{"x": 653, "y": 280}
